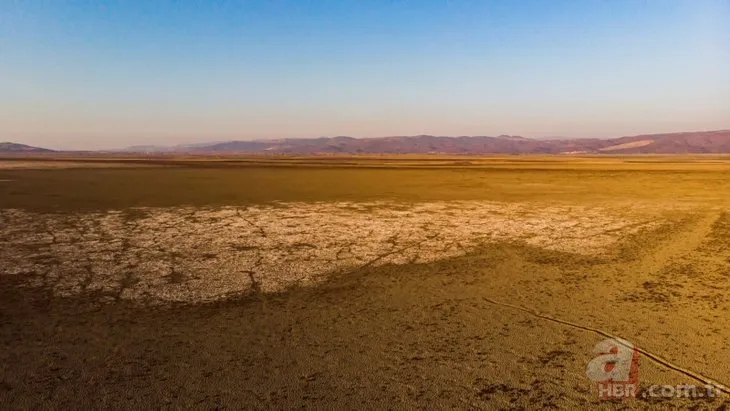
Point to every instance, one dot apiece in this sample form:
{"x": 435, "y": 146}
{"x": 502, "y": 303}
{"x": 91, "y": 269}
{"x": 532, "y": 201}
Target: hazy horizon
{"x": 110, "y": 75}
{"x": 211, "y": 142}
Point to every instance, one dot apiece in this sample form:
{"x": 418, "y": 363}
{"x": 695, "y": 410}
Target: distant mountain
{"x": 675, "y": 143}
{"x": 21, "y": 148}
{"x": 164, "y": 149}
{"x": 148, "y": 149}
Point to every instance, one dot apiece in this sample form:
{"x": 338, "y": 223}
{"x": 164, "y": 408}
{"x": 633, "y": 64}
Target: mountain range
{"x": 673, "y": 143}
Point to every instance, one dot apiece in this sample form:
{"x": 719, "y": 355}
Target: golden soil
{"x": 361, "y": 282}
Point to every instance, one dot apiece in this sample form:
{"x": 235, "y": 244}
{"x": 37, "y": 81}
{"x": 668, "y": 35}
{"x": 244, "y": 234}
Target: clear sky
{"x": 108, "y": 74}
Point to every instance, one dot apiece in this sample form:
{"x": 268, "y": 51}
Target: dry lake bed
{"x": 360, "y": 282}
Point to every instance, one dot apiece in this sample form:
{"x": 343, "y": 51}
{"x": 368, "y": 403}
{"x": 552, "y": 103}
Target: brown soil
{"x": 505, "y": 323}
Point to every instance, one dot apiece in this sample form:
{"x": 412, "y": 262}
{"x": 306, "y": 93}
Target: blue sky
{"x": 106, "y": 74}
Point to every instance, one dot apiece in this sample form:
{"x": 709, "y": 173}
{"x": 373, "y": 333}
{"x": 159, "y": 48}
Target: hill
{"x": 674, "y": 143}
{"x": 21, "y": 148}
{"x": 701, "y": 142}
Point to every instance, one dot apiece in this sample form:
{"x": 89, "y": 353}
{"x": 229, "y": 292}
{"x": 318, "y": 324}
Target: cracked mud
{"x": 202, "y": 254}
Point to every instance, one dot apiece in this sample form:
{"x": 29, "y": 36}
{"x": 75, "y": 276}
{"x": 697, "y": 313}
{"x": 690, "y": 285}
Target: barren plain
{"x": 359, "y": 282}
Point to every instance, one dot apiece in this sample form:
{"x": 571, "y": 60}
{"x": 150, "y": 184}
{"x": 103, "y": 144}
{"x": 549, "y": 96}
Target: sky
{"x": 110, "y": 74}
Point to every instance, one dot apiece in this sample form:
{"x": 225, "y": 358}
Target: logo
{"x": 615, "y": 369}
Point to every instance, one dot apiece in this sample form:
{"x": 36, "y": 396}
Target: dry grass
{"x": 248, "y": 181}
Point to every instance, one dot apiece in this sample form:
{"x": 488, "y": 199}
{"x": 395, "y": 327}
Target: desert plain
{"x": 382, "y": 282}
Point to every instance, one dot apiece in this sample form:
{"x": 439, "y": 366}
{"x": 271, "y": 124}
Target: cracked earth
{"x": 158, "y": 255}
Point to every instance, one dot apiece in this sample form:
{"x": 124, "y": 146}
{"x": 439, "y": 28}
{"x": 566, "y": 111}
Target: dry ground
{"x": 369, "y": 282}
